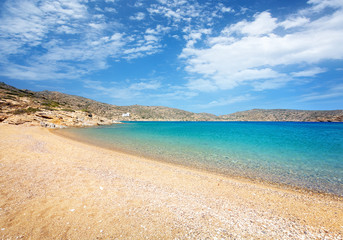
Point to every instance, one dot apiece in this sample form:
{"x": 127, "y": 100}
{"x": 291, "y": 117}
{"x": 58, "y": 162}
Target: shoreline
{"x": 246, "y": 179}
{"x": 56, "y": 187}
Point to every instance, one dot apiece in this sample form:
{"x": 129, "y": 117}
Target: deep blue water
{"x": 305, "y": 155}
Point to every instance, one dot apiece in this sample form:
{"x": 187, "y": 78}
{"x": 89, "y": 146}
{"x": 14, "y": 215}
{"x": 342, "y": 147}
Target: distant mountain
{"x": 21, "y": 102}
{"x": 56, "y": 101}
{"x": 165, "y": 113}
{"x": 285, "y": 115}
{"x": 136, "y": 112}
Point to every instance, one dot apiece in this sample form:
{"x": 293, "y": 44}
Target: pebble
{"x": 72, "y": 210}
{"x": 101, "y": 188}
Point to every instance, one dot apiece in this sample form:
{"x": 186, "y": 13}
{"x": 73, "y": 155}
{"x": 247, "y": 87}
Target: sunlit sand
{"x": 57, "y": 188}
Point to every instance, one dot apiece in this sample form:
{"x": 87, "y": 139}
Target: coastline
{"x": 56, "y": 187}
{"x": 249, "y": 177}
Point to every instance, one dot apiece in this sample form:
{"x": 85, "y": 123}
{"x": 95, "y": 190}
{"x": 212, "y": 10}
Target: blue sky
{"x": 201, "y": 56}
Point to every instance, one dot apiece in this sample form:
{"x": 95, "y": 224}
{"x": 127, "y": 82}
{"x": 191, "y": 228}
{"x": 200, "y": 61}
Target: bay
{"x": 301, "y": 155}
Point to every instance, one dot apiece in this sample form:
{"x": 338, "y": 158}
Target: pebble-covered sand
{"x": 52, "y": 187}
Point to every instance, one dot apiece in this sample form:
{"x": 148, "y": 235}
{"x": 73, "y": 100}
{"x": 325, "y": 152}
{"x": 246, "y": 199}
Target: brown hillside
{"x": 17, "y": 102}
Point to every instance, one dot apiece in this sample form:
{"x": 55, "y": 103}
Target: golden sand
{"x": 52, "y": 187}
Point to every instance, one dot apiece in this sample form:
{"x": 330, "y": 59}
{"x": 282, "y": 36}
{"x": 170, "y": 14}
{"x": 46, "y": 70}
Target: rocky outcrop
{"x": 21, "y": 107}
{"x": 57, "y": 119}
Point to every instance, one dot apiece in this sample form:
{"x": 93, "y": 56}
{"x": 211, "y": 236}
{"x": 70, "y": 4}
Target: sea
{"x": 299, "y": 155}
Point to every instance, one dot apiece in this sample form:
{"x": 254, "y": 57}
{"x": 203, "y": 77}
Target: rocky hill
{"x": 55, "y": 109}
{"x": 285, "y": 115}
{"x": 159, "y": 113}
{"x": 136, "y": 112}
{"x": 26, "y": 107}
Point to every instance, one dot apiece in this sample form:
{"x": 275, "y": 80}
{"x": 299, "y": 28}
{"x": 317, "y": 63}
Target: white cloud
{"x": 98, "y": 26}
{"x": 294, "y": 22}
{"x": 111, "y": 91}
{"x": 139, "y": 3}
{"x": 137, "y": 90}
{"x": 158, "y": 30}
{"x": 141, "y": 50}
{"x": 195, "y": 35}
{"x": 309, "y": 72}
{"x": 22, "y": 23}
{"x": 110, "y": 9}
{"x": 64, "y": 30}
{"x": 228, "y": 101}
{"x": 176, "y": 15}
{"x": 151, "y": 38}
{"x": 138, "y": 16}
{"x": 243, "y": 10}
{"x": 333, "y": 92}
{"x": 202, "y": 85}
{"x": 270, "y": 83}
{"x": 56, "y": 31}
{"x": 227, "y": 10}
{"x": 263, "y": 24}
{"x": 146, "y": 44}
{"x": 178, "y": 11}
{"x": 152, "y": 85}
{"x": 175, "y": 95}
{"x": 319, "y": 5}
{"x": 254, "y": 53}
{"x": 41, "y": 71}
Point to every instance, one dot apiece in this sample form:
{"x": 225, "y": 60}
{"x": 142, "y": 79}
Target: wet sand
{"x": 53, "y": 187}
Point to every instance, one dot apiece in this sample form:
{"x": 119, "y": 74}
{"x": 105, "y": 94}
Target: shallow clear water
{"x": 305, "y": 155}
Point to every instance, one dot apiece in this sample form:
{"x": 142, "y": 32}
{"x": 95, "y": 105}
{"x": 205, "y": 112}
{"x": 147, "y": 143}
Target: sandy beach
{"x": 53, "y": 187}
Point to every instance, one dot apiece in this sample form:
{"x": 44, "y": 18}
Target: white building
{"x": 125, "y": 115}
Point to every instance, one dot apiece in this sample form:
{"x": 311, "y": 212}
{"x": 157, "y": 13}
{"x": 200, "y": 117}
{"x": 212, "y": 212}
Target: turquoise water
{"x": 305, "y": 155}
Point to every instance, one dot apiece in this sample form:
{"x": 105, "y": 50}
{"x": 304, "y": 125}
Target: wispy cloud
{"x": 123, "y": 91}
{"x": 292, "y": 22}
{"x": 138, "y": 16}
{"x": 255, "y": 52}
{"x": 309, "y": 72}
{"x": 152, "y": 85}
{"x": 333, "y": 92}
{"x": 225, "y": 9}
{"x": 146, "y": 43}
{"x": 48, "y": 34}
{"x": 227, "y": 101}
{"x": 87, "y": 34}
{"x": 181, "y": 11}
{"x": 141, "y": 90}
{"x": 201, "y": 85}
{"x": 110, "y": 9}
{"x": 205, "y": 48}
